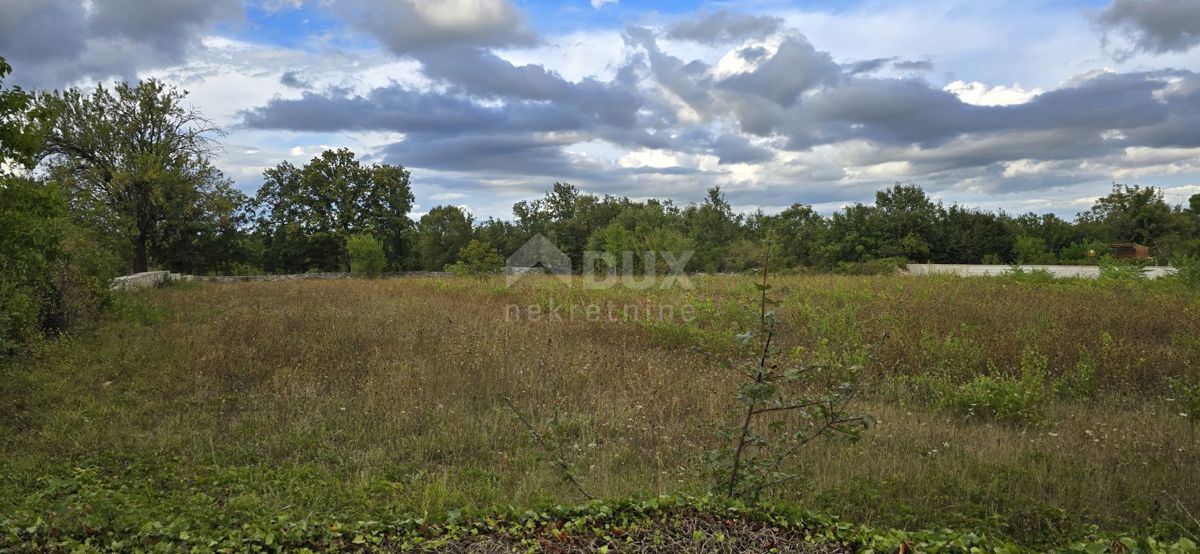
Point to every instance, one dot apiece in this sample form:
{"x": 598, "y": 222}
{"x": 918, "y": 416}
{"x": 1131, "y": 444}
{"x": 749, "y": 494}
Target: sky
{"x": 1020, "y": 105}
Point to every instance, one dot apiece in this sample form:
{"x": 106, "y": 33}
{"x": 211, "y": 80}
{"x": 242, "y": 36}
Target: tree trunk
{"x": 139, "y": 262}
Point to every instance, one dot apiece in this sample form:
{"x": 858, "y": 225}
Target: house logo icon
{"x": 537, "y": 256}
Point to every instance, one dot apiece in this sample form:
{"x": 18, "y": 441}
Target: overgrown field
{"x": 1023, "y": 409}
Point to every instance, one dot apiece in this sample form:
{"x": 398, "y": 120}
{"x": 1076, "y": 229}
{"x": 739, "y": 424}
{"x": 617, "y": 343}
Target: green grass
{"x": 1040, "y": 414}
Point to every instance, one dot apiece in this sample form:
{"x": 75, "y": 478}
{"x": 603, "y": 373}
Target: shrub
{"x": 1113, "y": 271}
{"x": 477, "y": 257}
{"x": 53, "y": 274}
{"x": 1187, "y": 271}
{"x": 366, "y": 255}
{"x": 1031, "y": 250}
{"x": 998, "y": 397}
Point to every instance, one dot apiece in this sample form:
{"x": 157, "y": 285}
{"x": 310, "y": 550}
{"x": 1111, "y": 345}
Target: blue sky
{"x": 1019, "y": 105}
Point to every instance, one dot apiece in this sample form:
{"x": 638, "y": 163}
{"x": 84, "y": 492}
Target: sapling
{"x": 782, "y": 407}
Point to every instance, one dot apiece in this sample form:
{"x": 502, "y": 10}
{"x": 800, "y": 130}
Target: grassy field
{"x": 1025, "y": 409}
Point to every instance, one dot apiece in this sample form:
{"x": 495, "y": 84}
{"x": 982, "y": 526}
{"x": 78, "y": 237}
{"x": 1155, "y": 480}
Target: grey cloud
{"x": 510, "y": 153}
{"x": 721, "y": 27}
{"x": 688, "y": 81}
{"x": 490, "y": 116}
{"x": 753, "y": 53}
{"x": 867, "y": 66}
{"x": 733, "y": 149}
{"x": 395, "y": 108}
{"x": 1156, "y": 26}
{"x": 913, "y": 65}
{"x": 292, "y": 79}
{"x": 482, "y": 73}
{"x": 795, "y": 68}
{"x": 51, "y": 43}
{"x": 407, "y": 26}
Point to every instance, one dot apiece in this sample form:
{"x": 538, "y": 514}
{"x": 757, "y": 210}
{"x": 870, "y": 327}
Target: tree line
{"x": 121, "y": 179}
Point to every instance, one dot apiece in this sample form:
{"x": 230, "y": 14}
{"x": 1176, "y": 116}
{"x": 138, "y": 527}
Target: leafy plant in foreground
{"x": 780, "y": 415}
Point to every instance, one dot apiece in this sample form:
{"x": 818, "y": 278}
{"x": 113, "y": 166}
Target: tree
{"x": 800, "y": 231}
{"x": 477, "y": 257}
{"x": 137, "y": 151}
{"x": 1131, "y": 213}
{"x": 441, "y": 234}
{"x": 908, "y": 220}
{"x": 971, "y": 236}
{"x": 713, "y": 227}
{"x": 306, "y": 214}
{"x": 22, "y": 124}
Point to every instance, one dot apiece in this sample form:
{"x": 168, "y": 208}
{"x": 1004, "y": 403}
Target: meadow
{"x": 1037, "y": 411}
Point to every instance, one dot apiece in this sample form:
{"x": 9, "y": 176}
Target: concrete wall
{"x": 973, "y": 270}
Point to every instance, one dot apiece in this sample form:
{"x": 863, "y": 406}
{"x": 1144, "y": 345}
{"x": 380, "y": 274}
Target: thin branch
{"x": 788, "y": 408}
{"x": 566, "y": 469}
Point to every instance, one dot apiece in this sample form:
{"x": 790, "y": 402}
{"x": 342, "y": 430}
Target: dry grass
{"x": 372, "y": 398}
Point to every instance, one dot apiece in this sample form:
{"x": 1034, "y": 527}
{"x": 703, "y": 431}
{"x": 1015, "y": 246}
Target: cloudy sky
{"x": 1017, "y": 104}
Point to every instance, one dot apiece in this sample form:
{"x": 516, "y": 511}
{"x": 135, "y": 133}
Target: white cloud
{"x": 600, "y": 3}
{"x": 980, "y": 94}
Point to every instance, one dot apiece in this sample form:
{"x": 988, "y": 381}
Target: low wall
{"x": 146, "y": 279}
{"x": 976, "y": 270}
{"x": 154, "y": 278}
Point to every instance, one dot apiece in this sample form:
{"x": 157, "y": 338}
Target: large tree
{"x": 1130, "y": 213}
{"x": 136, "y": 151}
{"x": 441, "y": 234}
{"x": 308, "y": 213}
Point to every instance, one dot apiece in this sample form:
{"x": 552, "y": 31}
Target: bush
{"x": 475, "y": 258}
{"x": 1187, "y": 271}
{"x": 366, "y": 255}
{"x": 53, "y": 274}
{"x": 1113, "y": 271}
{"x": 999, "y": 397}
{"x": 1005, "y": 398}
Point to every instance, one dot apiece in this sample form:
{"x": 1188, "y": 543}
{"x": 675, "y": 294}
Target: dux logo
{"x": 540, "y": 256}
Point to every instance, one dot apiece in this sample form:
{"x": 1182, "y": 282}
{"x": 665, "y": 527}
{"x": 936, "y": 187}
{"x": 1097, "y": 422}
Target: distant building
{"x": 1129, "y": 250}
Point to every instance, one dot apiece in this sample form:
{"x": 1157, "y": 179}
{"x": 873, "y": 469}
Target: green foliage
{"x": 1031, "y": 250}
{"x": 307, "y": 214}
{"x": 1003, "y": 397}
{"x": 441, "y": 235}
{"x": 22, "y": 123}
{"x": 1079, "y": 383}
{"x": 136, "y": 160}
{"x": 1131, "y": 214}
{"x": 366, "y": 255}
{"x": 999, "y": 397}
{"x": 783, "y": 409}
{"x": 53, "y": 276}
{"x": 1119, "y": 272}
{"x": 1187, "y": 271}
{"x": 657, "y": 523}
{"x": 477, "y": 258}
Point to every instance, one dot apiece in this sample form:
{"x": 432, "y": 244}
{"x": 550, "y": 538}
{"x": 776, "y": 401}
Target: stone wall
{"x": 156, "y": 278}
{"x": 976, "y": 270}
